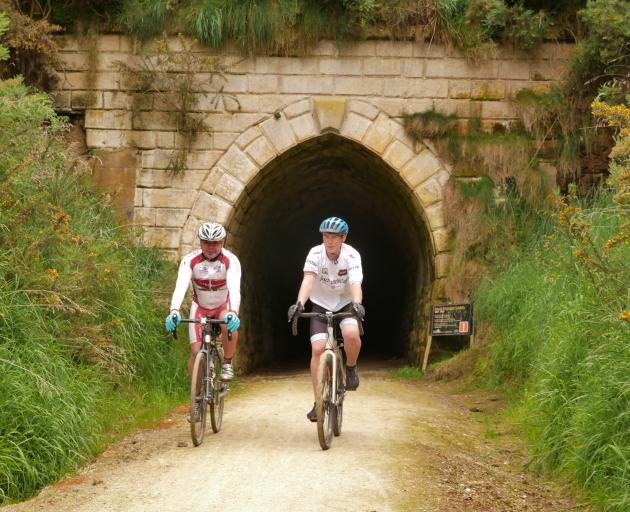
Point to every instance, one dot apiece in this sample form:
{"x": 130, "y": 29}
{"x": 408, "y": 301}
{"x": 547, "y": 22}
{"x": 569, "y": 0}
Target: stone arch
{"x": 357, "y": 120}
{"x": 312, "y": 123}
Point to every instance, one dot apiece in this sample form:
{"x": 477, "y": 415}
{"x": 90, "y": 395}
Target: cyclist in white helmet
{"x": 215, "y": 274}
{"x": 332, "y": 281}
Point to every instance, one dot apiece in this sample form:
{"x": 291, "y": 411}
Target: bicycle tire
{"x": 338, "y": 409}
{"x": 324, "y": 401}
{"x": 198, "y": 421}
{"x": 217, "y": 399}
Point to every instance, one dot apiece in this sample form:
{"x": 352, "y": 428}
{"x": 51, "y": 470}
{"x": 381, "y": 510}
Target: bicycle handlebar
{"x": 204, "y": 320}
{"x": 324, "y": 316}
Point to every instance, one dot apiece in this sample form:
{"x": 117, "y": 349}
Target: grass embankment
{"x": 563, "y": 347}
{"x": 82, "y": 351}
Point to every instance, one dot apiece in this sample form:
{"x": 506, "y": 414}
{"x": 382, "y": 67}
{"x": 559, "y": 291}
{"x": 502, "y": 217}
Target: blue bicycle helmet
{"x": 334, "y": 225}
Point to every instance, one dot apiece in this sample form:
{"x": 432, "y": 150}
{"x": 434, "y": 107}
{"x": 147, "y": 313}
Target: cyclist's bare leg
{"x": 194, "y": 348}
{"x": 229, "y": 346}
{"x": 317, "y": 348}
{"x": 351, "y": 342}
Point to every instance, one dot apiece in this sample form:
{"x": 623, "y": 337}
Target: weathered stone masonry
{"x": 356, "y": 92}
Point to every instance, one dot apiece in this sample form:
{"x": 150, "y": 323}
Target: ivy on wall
{"x": 174, "y": 82}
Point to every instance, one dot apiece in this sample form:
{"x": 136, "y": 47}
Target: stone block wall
{"x": 391, "y": 78}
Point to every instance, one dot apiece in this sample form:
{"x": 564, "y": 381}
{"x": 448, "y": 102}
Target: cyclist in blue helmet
{"x": 332, "y": 281}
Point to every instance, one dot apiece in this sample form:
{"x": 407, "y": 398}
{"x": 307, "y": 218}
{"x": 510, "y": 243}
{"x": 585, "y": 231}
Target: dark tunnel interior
{"x": 276, "y": 223}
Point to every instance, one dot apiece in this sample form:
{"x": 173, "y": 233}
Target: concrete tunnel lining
{"x": 278, "y": 217}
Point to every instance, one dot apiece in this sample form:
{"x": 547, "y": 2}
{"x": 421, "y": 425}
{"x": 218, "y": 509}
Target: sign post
{"x": 448, "y": 320}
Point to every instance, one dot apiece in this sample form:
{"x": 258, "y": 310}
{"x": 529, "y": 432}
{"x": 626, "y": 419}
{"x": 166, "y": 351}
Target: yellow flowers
{"x": 612, "y": 115}
{"x": 52, "y": 273}
{"x": 53, "y": 299}
{"x": 624, "y": 316}
{"x": 60, "y": 218}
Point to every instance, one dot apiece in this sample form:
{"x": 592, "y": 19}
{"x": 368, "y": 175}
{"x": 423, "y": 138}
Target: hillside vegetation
{"x": 559, "y": 314}
{"x": 82, "y": 351}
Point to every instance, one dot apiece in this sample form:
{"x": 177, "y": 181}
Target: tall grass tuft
{"x": 82, "y": 350}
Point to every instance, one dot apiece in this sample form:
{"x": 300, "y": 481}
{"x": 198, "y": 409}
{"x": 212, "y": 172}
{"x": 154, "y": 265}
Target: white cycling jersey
{"x": 215, "y": 282}
{"x": 332, "y": 284}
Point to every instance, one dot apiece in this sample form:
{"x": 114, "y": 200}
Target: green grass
{"x": 83, "y": 355}
{"x": 562, "y": 348}
{"x": 406, "y": 373}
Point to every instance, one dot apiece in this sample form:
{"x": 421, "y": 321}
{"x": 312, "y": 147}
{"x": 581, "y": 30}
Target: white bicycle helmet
{"x": 211, "y": 232}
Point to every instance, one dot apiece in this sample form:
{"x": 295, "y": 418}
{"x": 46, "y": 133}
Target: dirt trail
{"x": 405, "y": 446}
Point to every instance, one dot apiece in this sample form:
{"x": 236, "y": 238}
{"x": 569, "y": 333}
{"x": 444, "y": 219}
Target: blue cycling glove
{"x": 173, "y": 319}
{"x": 232, "y": 321}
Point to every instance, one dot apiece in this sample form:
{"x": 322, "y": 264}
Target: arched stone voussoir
{"x": 211, "y": 207}
{"x": 443, "y": 262}
{"x": 429, "y": 193}
{"x": 381, "y": 132}
{"x": 238, "y": 164}
{"x": 442, "y": 241}
{"x": 280, "y": 133}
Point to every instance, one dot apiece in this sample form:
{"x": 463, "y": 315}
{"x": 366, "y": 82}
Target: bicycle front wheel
{"x": 218, "y": 394}
{"x": 338, "y": 409}
{"x": 198, "y": 394}
{"x": 324, "y": 400}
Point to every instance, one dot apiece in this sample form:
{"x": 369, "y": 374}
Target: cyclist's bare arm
{"x": 356, "y": 292}
{"x": 306, "y": 287}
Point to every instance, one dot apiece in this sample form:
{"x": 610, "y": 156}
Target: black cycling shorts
{"x": 319, "y": 325}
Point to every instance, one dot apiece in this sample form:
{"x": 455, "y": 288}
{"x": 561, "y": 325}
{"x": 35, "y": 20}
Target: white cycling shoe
{"x": 227, "y": 372}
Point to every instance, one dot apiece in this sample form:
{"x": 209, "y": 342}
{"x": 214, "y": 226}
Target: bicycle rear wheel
{"x": 324, "y": 401}
{"x": 198, "y": 394}
{"x": 218, "y": 395}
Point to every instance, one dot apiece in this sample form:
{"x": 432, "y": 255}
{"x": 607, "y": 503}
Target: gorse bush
{"x": 31, "y": 49}
{"x": 79, "y": 323}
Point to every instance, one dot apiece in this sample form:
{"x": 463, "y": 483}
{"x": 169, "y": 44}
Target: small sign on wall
{"x": 451, "y": 320}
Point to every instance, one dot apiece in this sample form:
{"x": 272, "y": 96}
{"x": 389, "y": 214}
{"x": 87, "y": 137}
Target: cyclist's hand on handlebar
{"x": 173, "y": 319}
{"x": 359, "y": 309}
{"x": 293, "y": 309}
{"x": 233, "y": 321}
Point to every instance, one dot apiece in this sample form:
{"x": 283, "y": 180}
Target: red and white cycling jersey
{"x": 215, "y": 282}
{"x": 331, "y": 289}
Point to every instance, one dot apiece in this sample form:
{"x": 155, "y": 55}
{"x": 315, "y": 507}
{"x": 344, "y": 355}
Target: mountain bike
{"x": 207, "y": 391}
{"x": 331, "y": 376}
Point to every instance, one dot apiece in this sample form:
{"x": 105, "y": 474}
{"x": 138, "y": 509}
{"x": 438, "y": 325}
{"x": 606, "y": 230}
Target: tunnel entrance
{"x": 276, "y": 222}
